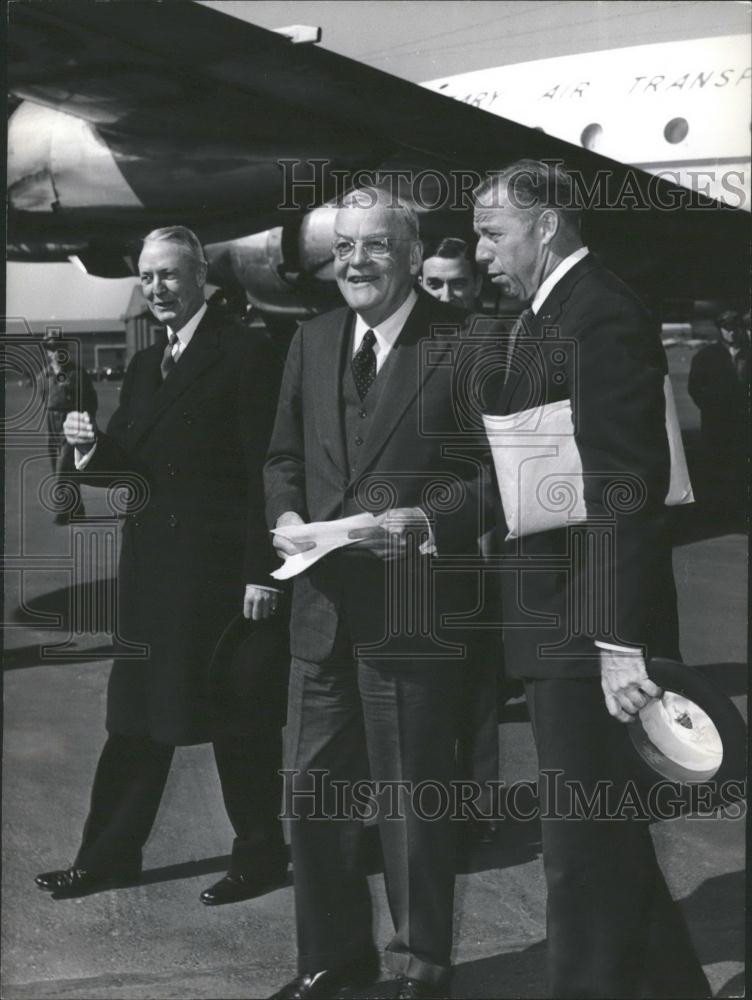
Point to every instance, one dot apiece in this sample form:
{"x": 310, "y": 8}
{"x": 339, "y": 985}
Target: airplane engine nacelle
{"x": 285, "y": 271}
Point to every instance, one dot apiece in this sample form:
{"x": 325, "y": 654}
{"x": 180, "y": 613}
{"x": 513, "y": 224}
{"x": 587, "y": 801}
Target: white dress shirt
{"x": 386, "y": 332}
{"x": 539, "y": 298}
{"x": 555, "y": 277}
{"x": 184, "y": 335}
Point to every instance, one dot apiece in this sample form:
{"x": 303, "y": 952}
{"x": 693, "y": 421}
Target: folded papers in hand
{"x": 327, "y": 535}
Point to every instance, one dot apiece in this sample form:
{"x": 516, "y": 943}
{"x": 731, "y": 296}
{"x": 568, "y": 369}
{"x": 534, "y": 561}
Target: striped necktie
{"x": 169, "y": 358}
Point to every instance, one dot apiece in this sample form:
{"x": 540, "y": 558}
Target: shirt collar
{"x": 555, "y": 277}
{"x": 388, "y": 329}
{"x": 185, "y": 333}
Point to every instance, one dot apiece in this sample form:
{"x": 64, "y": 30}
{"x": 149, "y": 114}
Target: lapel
{"x": 551, "y": 309}
{"x": 203, "y": 351}
{"x": 547, "y": 316}
{"x": 327, "y": 374}
{"x": 405, "y": 379}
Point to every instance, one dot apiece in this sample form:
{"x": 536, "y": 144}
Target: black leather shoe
{"x": 329, "y": 983}
{"x": 408, "y": 988}
{"x": 234, "y": 888}
{"x": 67, "y": 882}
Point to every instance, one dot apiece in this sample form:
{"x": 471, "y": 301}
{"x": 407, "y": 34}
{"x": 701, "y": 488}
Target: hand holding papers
{"x": 321, "y": 538}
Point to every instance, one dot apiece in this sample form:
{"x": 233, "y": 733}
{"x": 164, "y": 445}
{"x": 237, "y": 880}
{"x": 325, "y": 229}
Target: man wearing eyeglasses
{"x": 365, "y": 413}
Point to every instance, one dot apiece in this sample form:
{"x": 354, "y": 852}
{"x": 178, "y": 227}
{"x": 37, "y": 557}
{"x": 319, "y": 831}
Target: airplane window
{"x": 592, "y": 137}
{"x": 676, "y": 130}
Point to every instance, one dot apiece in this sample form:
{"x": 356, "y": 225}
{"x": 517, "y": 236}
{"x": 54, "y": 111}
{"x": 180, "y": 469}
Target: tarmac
{"x": 154, "y": 939}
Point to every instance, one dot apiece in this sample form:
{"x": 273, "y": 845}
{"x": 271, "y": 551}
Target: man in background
{"x": 67, "y": 387}
{"x": 449, "y": 273}
{"x": 719, "y": 386}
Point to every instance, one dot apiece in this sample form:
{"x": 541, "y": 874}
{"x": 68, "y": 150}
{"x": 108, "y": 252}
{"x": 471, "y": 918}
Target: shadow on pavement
{"x": 186, "y": 869}
{"x": 517, "y": 842}
{"x": 734, "y": 987}
{"x": 57, "y": 608}
{"x": 31, "y": 656}
{"x": 719, "y": 507}
{"x": 514, "y": 974}
{"x": 167, "y": 873}
{"x": 713, "y": 911}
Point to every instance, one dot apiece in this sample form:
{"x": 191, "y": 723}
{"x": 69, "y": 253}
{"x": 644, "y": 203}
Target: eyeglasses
{"x": 373, "y": 246}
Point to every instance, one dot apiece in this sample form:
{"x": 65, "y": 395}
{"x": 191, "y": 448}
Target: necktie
{"x": 519, "y": 331}
{"x": 364, "y": 364}
{"x": 169, "y": 360}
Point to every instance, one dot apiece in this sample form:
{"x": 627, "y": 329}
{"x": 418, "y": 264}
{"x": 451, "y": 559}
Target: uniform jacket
{"x": 69, "y": 389}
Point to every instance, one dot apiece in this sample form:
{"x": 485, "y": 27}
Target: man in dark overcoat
{"x": 187, "y": 443}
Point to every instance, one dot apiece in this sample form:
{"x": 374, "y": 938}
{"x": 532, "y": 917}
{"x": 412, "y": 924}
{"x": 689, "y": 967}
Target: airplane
{"x": 679, "y": 109}
{"x": 248, "y": 138}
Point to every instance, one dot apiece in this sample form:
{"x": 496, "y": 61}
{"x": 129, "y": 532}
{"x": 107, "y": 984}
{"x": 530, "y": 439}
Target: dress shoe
{"x": 234, "y": 888}
{"x": 328, "y": 983}
{"x": 407, "y": 989}
{"x": 68, "y": 882}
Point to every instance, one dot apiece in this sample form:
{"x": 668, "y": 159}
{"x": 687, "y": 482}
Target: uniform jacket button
{"x": 171, "y": 469}
{"x": 173, "y": 520}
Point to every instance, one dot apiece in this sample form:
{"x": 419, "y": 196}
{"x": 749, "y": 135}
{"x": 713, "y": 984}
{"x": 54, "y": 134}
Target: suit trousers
{"x": 613, "y": 928}
{"x": 352, "y": 721}
{"x": 478, "y": 745}
{"x": 128, "y": 786}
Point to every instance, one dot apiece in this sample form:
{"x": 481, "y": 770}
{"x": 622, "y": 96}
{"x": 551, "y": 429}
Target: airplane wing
{"x": 209, "y": 92}
{"x": 144, "y": 68}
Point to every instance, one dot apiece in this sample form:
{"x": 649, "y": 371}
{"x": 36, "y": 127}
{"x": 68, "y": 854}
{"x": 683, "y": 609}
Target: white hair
{"x": 180, "y": 235}
{"x": 368, "y": 197}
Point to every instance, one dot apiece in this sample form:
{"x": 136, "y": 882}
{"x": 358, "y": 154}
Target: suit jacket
{"x": 190, "y": 449}
{"x": 418, "y": 453}
{"x": 593, "y": 342}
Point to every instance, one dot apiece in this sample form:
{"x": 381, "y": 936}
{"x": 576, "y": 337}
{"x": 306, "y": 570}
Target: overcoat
{"x": 188, "y": 451}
